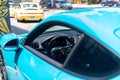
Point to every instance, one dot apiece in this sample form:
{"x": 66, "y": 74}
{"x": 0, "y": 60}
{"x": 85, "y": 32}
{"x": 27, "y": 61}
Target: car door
{"x": 91, "y": 61}
{"x": 31, "y": 59}
{"x": 34, "y": 67}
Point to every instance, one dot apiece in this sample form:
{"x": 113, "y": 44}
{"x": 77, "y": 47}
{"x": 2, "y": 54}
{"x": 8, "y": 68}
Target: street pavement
{"x": 79, "y": 6}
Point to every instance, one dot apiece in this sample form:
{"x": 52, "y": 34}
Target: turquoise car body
{"x": 101, "y": 24}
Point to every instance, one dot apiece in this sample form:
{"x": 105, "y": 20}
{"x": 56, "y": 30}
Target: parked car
{"x": 28, "y": 11}
{"x": 110, "y": 3}
{"x": 46, "y": 3}
{"x": 82, "y": 46}
{"x": 12, "y": 9}
{"x": 63, "y": 4}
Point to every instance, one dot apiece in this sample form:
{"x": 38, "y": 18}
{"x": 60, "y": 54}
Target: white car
{"x": 63, "y": 4}
{"x": 12, "y": 9}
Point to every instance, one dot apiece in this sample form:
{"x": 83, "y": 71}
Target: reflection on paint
{"x": 4, "y": 17}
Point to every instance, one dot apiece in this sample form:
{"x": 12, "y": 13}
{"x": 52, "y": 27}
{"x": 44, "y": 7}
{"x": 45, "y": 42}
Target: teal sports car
{"x": 75, "y": 45}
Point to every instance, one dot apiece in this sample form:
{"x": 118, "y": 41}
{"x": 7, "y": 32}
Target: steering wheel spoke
{"x": 59, "y": 47}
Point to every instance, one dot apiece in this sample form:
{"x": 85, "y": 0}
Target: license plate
{"x": 32, "y": 16}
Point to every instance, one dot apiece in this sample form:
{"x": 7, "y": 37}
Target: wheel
{"x": 2, "y": 68}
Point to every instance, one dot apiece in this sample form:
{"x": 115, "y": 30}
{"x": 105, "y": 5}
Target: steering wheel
{"x": 60, "y": 46}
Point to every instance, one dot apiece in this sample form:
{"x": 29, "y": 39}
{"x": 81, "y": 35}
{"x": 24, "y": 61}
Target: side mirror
{"x": 9, "y": 42}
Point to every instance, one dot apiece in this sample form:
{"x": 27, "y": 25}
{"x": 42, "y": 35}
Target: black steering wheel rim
{"x": 68, "y": 38}
{"x": 57, "y": 50}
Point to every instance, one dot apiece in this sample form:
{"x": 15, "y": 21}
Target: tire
{"x": 18, "y": 20}
{"x": 3, "y": 72}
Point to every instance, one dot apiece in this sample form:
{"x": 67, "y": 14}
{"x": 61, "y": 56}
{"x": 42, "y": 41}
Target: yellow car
{"x": 12, "y": 9}
{"x": 28, "y": 11}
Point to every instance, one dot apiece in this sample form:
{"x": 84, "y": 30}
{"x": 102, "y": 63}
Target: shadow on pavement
{"x": 17, "y": 30}
{"x": 30, "y": 21}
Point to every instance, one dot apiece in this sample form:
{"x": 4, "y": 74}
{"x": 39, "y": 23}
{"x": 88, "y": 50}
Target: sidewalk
{"x": 77, "y": 6}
